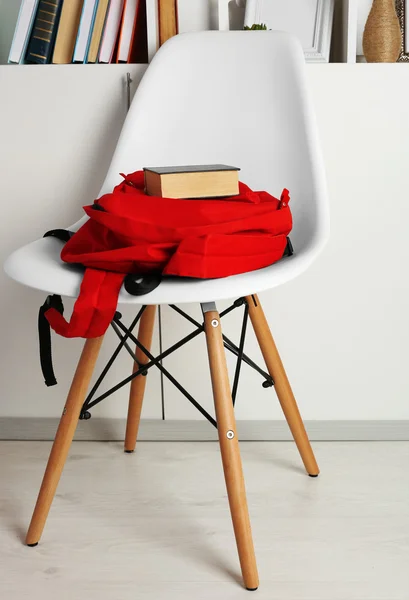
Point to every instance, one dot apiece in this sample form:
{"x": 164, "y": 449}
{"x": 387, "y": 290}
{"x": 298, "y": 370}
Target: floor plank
{"x": 155, "y": 524}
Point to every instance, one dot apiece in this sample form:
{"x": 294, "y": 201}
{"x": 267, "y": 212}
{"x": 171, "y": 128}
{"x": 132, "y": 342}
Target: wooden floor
{"x": 155, "y": 525}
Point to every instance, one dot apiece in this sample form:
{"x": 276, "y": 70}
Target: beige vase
{"x": 382, "y": 35}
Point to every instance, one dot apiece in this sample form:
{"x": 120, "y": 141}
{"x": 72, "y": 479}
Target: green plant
{"x": 256, "y": 26}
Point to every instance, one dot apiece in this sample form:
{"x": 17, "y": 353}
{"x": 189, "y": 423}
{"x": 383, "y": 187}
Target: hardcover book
{"x": 193, "y": 181}
{"x": 111, "y": 30}
{"x": 98, "y": 30}
{"x": 168, "y": 26}
{"x": 139, "y": 44}
{"x": 127, "y": 29}
{"x": 22, "y": 32}
{"x": 67, "y": 32}
{"x": 41, "y": 44}
{"x": 89, "y": 11}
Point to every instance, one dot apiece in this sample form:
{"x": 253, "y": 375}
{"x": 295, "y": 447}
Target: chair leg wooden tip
{"x": 63, "y": 438}
{"x": 32, "y": 545}
{"x": 252, "y": 589}
{"x": 311, "y": 475}
{"x": 129, "y": 451}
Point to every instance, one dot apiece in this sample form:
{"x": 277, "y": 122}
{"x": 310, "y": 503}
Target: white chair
{"x": 239, "y": 98}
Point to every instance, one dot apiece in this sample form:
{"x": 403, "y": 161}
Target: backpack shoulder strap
{"x": 94, "y": 308}
{"x": 44, "y": 338}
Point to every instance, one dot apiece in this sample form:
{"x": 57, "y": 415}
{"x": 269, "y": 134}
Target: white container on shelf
{"x": 355, "y": 14}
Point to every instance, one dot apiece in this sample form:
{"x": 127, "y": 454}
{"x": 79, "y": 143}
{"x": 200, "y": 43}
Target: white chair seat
{"x": 38, "y": 265}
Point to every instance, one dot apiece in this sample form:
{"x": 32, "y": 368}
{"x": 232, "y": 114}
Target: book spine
{"x": 138, "y": 51}
{"x": 13, "y": 59}
{"x": 152, "y": 28}
{"x": 91, "y": 29}
{"x": 167, "y": 20}
{"x": 121, "y": 30}
{"x": 42, "y": 39}
{"x": 98, "y": 31}
{"x": 67, "y": 31}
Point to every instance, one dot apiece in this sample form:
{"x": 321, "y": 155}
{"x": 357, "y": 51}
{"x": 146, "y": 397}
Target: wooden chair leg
{"x": 138, "y": 384}
{"x": 229, "y": 447}
{"x": 63, "y": 438}
{"x": 281, "y": 384}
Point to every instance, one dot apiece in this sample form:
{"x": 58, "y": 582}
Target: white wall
{"x": 59, "y": 126}
{"x": 342, "y": 327}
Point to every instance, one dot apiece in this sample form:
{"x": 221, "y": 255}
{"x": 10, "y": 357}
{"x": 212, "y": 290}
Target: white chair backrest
{"x": 238, "y": 98}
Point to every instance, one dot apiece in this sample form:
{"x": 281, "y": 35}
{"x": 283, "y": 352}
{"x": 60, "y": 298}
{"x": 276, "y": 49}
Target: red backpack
{"x": 130, "y": 232}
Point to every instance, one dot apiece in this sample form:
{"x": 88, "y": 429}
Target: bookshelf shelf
{"x": 349, "y": 19}
{"x": 9, "y": 12}
{"x": 89, "y": 75}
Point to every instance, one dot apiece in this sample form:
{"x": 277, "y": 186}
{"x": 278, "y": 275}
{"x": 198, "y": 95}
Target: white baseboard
{"x": 156, "y": 430}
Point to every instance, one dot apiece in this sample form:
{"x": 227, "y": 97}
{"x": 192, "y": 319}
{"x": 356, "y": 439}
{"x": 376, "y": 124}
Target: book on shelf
{"x": 97, "y": 32}
{"x": 41, "y": 44}
{"x": 152, "y": 27}
{"x": 22, "y": 31}
{"x": 192, "y": 181}
{"x": 83, "y": 41}
{"x": 111, "y": 30}
{"x": 127, "y": 29}
{"x": 168, "y": 23}
{"x": 132, "y": 45}
{"x": 67, "y": 31}
{"x": 139, "y": 44}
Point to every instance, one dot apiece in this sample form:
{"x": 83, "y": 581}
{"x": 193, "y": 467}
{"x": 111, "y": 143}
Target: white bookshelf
{"x": 350, "y": 15}
{"x": 355, "y": 15}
